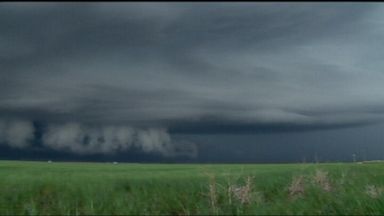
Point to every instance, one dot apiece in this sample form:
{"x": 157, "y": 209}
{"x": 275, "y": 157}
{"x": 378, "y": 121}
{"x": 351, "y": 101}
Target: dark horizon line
{"x": 197, "y": 162}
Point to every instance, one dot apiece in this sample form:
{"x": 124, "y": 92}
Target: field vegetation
{"x": 41, "y": 188}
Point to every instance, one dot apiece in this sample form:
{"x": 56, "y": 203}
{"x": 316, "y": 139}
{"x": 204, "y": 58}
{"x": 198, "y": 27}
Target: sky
{"x": 192, "y": 82}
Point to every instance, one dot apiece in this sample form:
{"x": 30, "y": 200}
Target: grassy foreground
{"x": 41, "y": 188}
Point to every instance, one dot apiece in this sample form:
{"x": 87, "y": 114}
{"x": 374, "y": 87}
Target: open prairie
{"x": 41, "y": 188}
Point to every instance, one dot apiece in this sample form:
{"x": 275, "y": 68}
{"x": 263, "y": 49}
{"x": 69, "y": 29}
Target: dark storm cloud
{"x": 189, "y": 67}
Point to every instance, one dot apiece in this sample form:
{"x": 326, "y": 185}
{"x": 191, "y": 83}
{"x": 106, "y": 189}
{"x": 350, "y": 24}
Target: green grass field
{"x": 41, "y": 188}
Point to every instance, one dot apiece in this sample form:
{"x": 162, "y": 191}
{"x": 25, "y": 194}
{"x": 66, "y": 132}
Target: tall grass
{"x": 33, "y": 188}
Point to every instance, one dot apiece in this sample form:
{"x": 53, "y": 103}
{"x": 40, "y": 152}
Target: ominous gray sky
{"x": 163, "y": 78}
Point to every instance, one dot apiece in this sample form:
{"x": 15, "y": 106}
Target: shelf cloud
{"x": 106, "y": 77}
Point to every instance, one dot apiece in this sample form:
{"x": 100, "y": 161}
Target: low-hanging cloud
{"x": 16, "y": 133}
{"x": 81, "y": 139}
